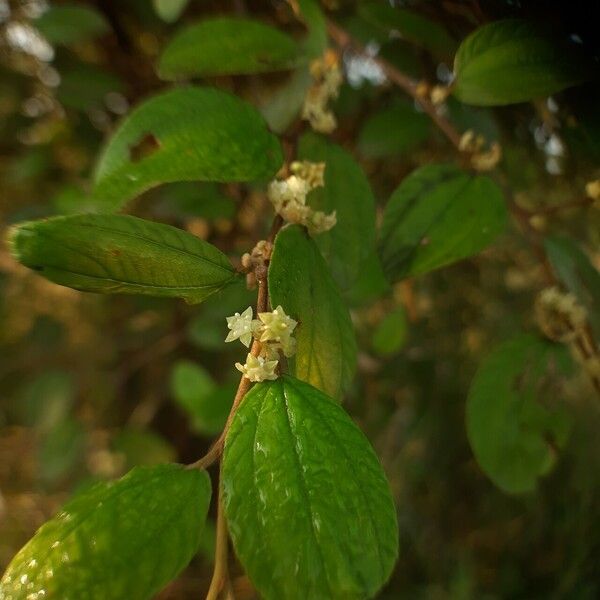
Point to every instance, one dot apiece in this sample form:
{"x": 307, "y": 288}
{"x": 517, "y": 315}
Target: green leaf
{"x": 112, "y": 254}
{"x": 346, "y": 191}
{"x": 300, "y": 282}
{"x": 390, "y": 335}
{"x": 227, "y": 46}
{"x": 316, "y": 41}
{"x": 70, "y": 23}
{"x": 309, "y": 509}
{"x": 84, "y": 86}
{"x": 577, "y": 274}
{"x": 507, "y": 428}
{"x": 185, "y": 134}
{"x": 370, "y": 284}
{"x": 282, "y": 108}
{"x": 142, "y": 447}
{"x": 206, "y": 403}
{"x": 61, "y": 450}
{"x": 411, "y": 26}
{"x": 169, "y": 10}
{"x": 512, "y": 61}
{"x": 393, "y": 131}
{"x": 124, "y": 539}
{"x": 437, "y": 216}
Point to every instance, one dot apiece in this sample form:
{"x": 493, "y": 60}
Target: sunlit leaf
{"x": 307, "y": 502}
{"x": 124, "y": 539}
{"x": 185, "y": 134}
{"x": 112, "y": 254}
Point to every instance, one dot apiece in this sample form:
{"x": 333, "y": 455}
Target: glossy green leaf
{"x": 309, "y": 509}
{"x": 437, "y": 216}
{"x": 574, "y": 269}
{"x": 348, "y": 193}
{"x": 300, "y": 281}
{"x": 411, "y": 25}
{"x": 185, "y": 134}
{"x": 512, "y": 61}
{"x": 67, "y": 24}
{"x": 390, "y": 334}
{"x": 112, "y": 254}
{"x": 124, "y": 539}
{"x": 206, "y": 403}
{"x": 227, "y": 46}
{"x": 169, "y": 10}
{"x": 508, "y": 429}
{"x": 393, "y": 131}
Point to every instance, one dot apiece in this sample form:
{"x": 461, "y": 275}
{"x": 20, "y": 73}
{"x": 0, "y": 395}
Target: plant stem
{"x": 220, "y": 576}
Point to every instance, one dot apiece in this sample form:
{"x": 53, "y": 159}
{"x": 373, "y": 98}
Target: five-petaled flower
{"x": 257, "y": 368}
{"x": 241, "y": 327}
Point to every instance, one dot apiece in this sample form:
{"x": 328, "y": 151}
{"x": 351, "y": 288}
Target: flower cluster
{"x": 559, "y": 315}
{"x": 327, "y": 77}
{"x": 274, "y": 332}
{"x": 481, "y": 160}
{"x": 288, "y": 197}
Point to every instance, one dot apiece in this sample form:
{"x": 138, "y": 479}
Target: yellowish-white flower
{"x": 276, "y": 326}
{"x": 241, "y": 327}
{"x": 258, "y": 368}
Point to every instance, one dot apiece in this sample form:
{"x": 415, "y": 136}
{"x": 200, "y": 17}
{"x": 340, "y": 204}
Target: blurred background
{"x": 91, "y": 386}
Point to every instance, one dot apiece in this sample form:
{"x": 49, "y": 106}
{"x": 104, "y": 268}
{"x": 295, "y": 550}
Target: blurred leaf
{"x": 390, "y": 335}
{"x": 185, "y": 134}
{"x": 67, "y": 24}
{"x": 298, "y": 473}
{"x": 437, "y": 216}
{"x": 112, "y": 254}
{"x": 282, "y": 108}
{"x": 574, "y": 269}
{"x": 316, "y": 41}
{"x": 512, "y": 61}
{"x": 370, "y": 284}
{"x": 348, "y": 193}
{"x": 142, "y": 447}
{"x": 480, "y": 120}
{"x": 196, "y": 199}
{"x": 124, "y": 539}
{"x": 411, "y": 25}
{"x": 46, "y": 400}
{"x": 393, "y": 131}
{"x": 84, "y": 86}
{"x": 227, "y": 46}
{"x": 61, "y": 450}
{"x": 508, "y": 429}
{"x": 300, "y": 281}
{"x": 169, "y": 10}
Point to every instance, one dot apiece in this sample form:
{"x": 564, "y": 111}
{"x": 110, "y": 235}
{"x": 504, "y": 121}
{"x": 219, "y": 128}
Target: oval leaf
{"x": 112, "y": 254}
{"x": 169, "y": 10}
{"x": 70, "y": 24}
{"x": 437, "y": 216}
{"x": 514, "y": 61}
{"x": 227, "y": 46}
{"x": 307, "y": 502}
{"x": 508, "y": 429}
{"x": 125, "y": 539}
{"x": 348, "y": 193}
{"x": 185, "y": 134}
{"x": 300, "y": 281}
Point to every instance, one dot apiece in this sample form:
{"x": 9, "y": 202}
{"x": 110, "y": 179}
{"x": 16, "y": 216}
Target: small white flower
{"x": 277, "y": 326}
{"x": 241, "y": 327}
{"x": 257, "y": 368}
